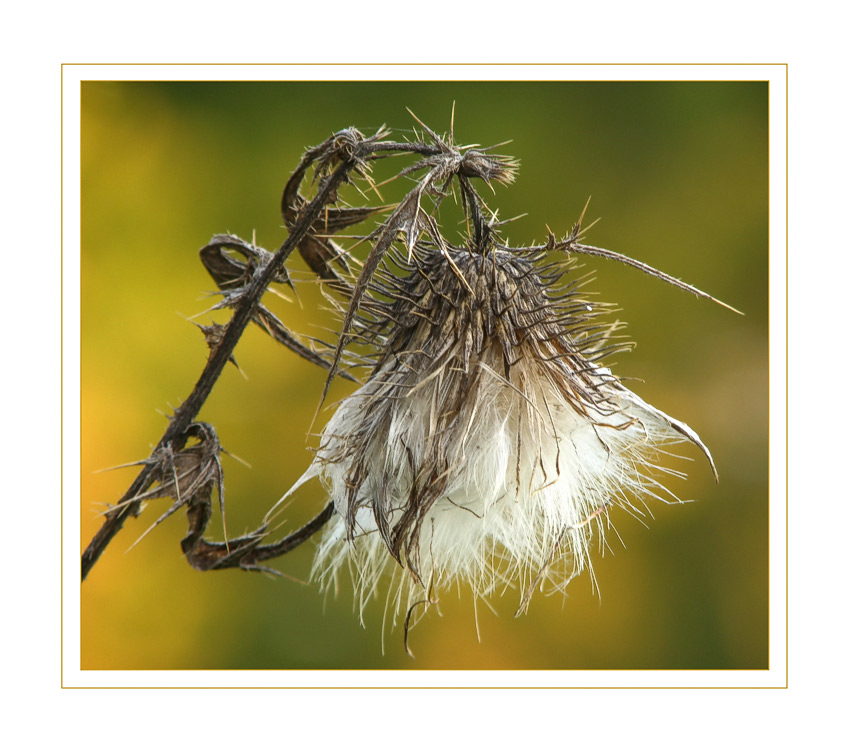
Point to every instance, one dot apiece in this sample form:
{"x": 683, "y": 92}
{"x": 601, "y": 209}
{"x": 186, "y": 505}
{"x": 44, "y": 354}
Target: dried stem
{"x": 175, "y": 435}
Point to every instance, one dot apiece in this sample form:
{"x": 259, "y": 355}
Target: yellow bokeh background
{"x": 678, "y": 172}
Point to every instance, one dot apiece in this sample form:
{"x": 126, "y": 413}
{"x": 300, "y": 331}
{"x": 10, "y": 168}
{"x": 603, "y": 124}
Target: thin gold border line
{"x": 424, "y": 65}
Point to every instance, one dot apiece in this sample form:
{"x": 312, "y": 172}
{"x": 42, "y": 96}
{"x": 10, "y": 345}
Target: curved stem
{"x": 174, "y": 435}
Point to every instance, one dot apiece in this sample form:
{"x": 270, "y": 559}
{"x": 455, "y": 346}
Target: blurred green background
{"x": 678, "y": 171}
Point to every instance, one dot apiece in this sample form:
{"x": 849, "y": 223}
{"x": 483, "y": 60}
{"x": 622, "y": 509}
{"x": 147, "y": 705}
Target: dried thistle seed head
{"x": 342, "y": 145}
{"x": 448, "y": 160}
{"x": 489, "y": 167}
{"x": 488, "y": 442}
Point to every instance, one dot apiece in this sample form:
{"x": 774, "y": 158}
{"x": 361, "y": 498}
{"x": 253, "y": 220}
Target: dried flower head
{"x": 489, "y": 441}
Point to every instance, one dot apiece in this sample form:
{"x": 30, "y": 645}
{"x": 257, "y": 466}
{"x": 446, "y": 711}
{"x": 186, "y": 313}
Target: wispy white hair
{"x": 488, "y": 443}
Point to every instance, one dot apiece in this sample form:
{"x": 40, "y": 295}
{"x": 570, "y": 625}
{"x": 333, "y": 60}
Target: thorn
{"x": 581, "y": 216}
{"x": 427, "y": 129}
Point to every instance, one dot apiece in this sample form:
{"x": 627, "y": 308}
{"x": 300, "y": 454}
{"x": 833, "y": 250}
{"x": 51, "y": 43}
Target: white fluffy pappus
{"x": 488, "y": 443}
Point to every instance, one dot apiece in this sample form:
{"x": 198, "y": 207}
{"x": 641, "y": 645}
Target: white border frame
{"x": 73, "y": 677}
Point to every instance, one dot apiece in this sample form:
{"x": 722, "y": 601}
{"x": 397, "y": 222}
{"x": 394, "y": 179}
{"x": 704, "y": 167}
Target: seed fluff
{"x": 488, "y": 442}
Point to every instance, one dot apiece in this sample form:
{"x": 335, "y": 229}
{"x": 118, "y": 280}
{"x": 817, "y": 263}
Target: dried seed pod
{"x": 489, "y": 441}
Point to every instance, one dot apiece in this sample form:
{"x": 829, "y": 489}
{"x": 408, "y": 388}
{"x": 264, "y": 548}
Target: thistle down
{"x": 488, "y": 441}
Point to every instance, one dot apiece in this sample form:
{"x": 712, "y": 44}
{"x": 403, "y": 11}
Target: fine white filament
{"x": 488, "y": 444}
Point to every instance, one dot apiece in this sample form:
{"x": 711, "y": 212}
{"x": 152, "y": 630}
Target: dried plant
{"x": 487, "y": 441}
